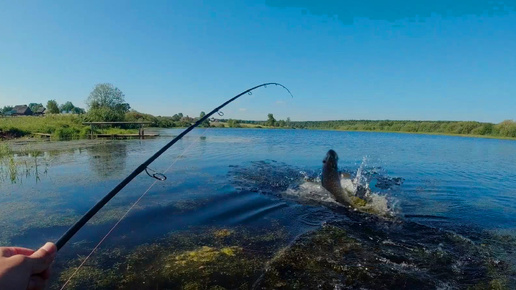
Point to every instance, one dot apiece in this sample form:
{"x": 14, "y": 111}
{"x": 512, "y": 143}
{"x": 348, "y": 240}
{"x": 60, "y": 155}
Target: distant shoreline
{"x": 68, "y": 127}
{"x": 415, "y": 133}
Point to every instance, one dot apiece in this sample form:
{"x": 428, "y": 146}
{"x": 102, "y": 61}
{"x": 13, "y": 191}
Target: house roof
{"x": 40, "y": 110}
{"x": 21, "y": 110}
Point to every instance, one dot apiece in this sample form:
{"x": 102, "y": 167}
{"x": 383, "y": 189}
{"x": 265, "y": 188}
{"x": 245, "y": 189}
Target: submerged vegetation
{"x": 333, "y": 256}
{"x": 207, "y": 258}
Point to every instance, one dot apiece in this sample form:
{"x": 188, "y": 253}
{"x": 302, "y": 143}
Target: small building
{"x": 21, "y": 110}
{"x": 40, "y": 111}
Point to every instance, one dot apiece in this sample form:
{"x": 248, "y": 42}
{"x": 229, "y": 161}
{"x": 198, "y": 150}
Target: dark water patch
{"x": 379, "y": 254}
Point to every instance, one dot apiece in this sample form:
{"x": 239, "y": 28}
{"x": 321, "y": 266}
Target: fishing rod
{"x": 144, "y": 167}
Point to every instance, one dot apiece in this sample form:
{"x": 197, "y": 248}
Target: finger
{"x": 36, "y": 283}
{"x": 11, "y": 251}
{"x": 5, "y": 252}
{"x": 43, "y": 257}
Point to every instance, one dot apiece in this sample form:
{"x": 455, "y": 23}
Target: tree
{"x": 7, "y": 109}
{"x": 77, "y": 110}
{"x": 288, "y": 122}
{"x": 66, "y": 107}
{"x": 206, "y": 123}
{"x": 35, "y": 106}
{"x": 176, "y": 117}
{"x": 106, "y": 103}
{"x": 233, "y": 123}
{"x": 52, "y": 107}
{"x": 270, "y": 121}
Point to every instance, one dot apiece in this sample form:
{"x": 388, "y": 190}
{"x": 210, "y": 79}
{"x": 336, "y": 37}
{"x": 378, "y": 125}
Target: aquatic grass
{"x": 361, "y": 257}
{"x": 205, "y": 258}
{"x": 24, "y": 163}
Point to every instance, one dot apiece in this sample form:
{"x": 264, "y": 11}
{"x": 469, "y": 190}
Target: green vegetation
{"x": 25, "y": 163}
{"x": 505, "y": 129}
{"x": 52, "y": 107}
{"x": 330, "y": 256}
{"x": 213, "y": 258}
{"x": 206, "y": 123}
{"x": 59, "y": 126}
{"x": 34, "y": 106}
{"x": 106, "y": 103}
{"x": 233, "y": 123}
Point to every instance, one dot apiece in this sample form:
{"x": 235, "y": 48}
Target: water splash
{"x": 304, "y": 186}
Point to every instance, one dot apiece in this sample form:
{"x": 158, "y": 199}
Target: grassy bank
{"x": 66, "y": 127}
{"x": 61, "y": 127}
{"x": 505, "y": 129}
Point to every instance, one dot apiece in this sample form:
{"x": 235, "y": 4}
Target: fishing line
{"x": 130, "y": 208}
{"x": 86, "y": 217}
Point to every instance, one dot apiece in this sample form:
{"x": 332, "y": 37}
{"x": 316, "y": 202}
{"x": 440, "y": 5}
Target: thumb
{"x": 43, "y": 258}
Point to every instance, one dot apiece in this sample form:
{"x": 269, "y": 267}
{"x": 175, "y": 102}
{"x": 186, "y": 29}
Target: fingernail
{"x": 50, "y": 248}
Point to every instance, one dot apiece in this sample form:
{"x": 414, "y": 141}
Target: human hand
{"x": 22, "y": 268}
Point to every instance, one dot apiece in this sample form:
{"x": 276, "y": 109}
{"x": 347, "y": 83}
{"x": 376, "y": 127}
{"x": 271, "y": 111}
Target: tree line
{"x": 52, "y": 108}
{"x": 506, "y": 128}
{"x": 107, "y": 103}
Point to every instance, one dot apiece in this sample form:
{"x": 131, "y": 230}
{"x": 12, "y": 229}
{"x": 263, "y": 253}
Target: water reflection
{"x": 108, "y": 160}
{"x": 15, "y": 167}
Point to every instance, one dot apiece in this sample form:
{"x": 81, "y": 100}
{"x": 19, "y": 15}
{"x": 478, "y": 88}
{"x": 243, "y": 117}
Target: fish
{"x": 331, "y": 178}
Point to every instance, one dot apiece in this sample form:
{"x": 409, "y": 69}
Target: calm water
{"x": 452, "y": 203}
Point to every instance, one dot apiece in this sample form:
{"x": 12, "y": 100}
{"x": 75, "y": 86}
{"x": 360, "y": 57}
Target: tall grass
{"x": 24, "y": 163}
{"x": 60, "y": 126}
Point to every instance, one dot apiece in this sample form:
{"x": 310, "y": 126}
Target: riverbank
{"x": 421, "y": 133}
{"x": 57, "y": 127}
{"x": 70, "y": 127}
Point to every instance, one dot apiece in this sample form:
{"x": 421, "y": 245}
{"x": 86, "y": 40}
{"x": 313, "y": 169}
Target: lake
{"x": 243, "y": 208}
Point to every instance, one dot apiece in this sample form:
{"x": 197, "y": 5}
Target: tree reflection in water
{"x": 108, "y": 159}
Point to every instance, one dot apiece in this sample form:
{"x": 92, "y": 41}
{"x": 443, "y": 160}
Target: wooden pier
{"x": 141, "y": 133}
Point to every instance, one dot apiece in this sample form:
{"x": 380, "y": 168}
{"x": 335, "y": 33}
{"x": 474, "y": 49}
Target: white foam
{"x": 312, "y": 192}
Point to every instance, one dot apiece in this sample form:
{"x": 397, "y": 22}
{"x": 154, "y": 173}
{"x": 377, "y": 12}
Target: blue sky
{"x": 433, "y": 60}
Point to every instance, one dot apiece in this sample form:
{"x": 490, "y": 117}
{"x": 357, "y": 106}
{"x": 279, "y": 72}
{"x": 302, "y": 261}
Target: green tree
{"x": 6, "y": 109}
{"x": 206, "y": 123}
{"x": 35, "y": 106}
{"x": 77, "y": 110}
{"x": 176, "y": 117}
{"x": 270, "y": 120}
{"x": 52, "y": 107}
{"x": 106, "y": 103}
{"x": 66, "y": 107}
{"x": 233, "y": 123}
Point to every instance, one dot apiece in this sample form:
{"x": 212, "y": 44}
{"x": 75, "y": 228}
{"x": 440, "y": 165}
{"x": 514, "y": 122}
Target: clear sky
{"x": 429, "y": 60}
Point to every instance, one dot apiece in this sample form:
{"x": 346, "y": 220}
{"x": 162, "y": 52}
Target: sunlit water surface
{"x": 450, "y": 222}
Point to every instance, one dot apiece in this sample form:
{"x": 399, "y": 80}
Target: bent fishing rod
{"x": 144, "y": 167}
